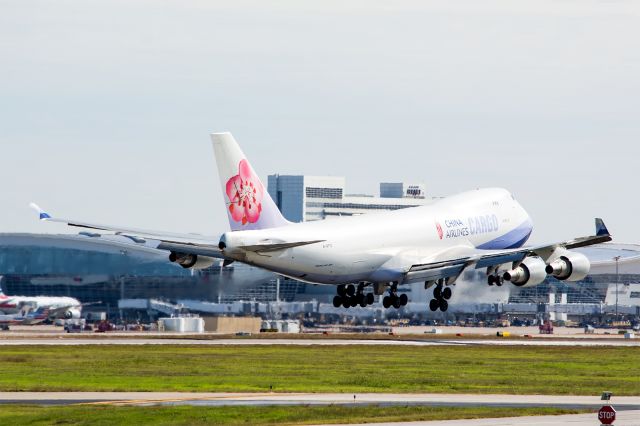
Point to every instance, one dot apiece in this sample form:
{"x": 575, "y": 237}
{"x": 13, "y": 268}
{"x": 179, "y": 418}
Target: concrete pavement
{"x": 113, "y": 340}
{"x": 625, "y": 418}
{"x": 217, "y": 399}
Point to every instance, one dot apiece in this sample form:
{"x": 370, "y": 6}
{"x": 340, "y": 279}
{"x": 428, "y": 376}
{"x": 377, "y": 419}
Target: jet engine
{"x": 529, "y": 273}
{"x": 570, "y": 266}
{"x": 191, "y": 261}
{"x": 72, "y": 314}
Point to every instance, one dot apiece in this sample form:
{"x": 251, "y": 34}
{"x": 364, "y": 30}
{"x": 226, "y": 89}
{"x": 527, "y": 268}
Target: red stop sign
{"x": 607, "y": 415}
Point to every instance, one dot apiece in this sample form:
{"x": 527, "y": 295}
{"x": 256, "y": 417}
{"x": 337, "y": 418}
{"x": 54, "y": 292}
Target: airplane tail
{"x": 249, "y": 205}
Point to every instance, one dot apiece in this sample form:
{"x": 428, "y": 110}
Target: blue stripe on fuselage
{"x": 512, "y": 239}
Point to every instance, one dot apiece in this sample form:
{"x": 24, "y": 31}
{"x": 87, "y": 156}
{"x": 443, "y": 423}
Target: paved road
{"x": 218, "y": 399}
{"x": 56, "y": 341}
{"x": 625, "y": 418}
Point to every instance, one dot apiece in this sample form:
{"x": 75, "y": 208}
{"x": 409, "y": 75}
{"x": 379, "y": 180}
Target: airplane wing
{"x": 59, "y": 311}
{"x": 145, "y": 233}
{"x": 478, "y": 259}
{"x": 184, "y": 243}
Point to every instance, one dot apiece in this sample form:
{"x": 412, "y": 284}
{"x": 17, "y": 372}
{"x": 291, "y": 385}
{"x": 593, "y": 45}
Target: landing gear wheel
{"x": 437, "y": 292}
{"x": 443, "y": 305}
{"x": 434, "y": 305}
{"x": 346, "y": 302}
{"x": 341, "y": 290}
{"x": 337, "y": 301}
{"x": 354, "y": 301}
{"x": 386, "y": 302}
{"x": 498, "y": 282}
{"x": 363, "y": 302}
{"x": 404, "y": 300}
{"x": 446, "y": 293}
{"x": 397, "y": 303}
{"x": 351, "y": 290}
{"x": 491, "y": 280}
{"x": 369, "y": 298}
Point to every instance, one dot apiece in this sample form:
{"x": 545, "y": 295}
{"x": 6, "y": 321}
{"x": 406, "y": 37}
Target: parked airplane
{"x": 58, "y": 307}
{"x": 481, "y": 229}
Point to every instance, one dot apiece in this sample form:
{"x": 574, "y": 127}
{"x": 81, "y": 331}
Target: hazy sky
{"x": 106, "y": 106}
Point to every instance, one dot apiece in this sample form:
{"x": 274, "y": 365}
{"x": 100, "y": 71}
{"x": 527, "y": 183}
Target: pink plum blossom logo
{"x": 439, "y": 229}
{"x": 245, "y": 192}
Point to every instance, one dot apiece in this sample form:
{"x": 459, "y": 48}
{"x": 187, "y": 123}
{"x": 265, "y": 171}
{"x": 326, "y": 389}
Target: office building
{"x": 304, "y": 198}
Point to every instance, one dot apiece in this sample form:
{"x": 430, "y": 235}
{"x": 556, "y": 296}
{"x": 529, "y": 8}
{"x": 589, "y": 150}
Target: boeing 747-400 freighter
{"x": 483, "y": 229}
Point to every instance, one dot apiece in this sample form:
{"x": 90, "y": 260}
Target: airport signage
{"x": 607, "y": 415}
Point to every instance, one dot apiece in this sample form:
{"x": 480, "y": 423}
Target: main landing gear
{"x": 393, "y": 299}
{"x": 495, "y": 279}
{"x": 350, "y": 296}
{"x": 440, "y": 296}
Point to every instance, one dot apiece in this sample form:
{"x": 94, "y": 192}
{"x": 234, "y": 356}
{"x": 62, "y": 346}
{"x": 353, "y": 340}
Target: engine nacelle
{"x": 529, "y": 273}
{"x": 569, "y": 266}
{"x": 72, "y": 314}
{"x": 191, "y": 261}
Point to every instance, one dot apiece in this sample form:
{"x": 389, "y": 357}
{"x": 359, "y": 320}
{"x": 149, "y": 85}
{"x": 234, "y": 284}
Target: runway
{"x": 256, "y": 399}
{"x": 113, "y": 340}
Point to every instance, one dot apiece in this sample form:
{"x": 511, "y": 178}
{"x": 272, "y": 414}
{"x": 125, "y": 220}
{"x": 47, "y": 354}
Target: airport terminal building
{"x": 107, "y": 270}
{"x": 303, "y": 198}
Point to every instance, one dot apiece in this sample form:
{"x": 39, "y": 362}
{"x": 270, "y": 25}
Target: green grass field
{"x": 451, "y": 369}
{"x": 281, "y": 415}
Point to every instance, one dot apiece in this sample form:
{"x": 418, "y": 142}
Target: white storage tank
{"x": 182, "y": 324}
{"x": 291, "y": 326}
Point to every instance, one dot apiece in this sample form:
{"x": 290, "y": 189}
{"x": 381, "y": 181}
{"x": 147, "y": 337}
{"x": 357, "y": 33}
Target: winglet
{"x": 601, "y": 228}
{"x": 43, "y": 215}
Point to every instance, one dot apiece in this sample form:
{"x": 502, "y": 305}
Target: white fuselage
{"x": 14, "y": 304}
{"x": 380, "y": 247}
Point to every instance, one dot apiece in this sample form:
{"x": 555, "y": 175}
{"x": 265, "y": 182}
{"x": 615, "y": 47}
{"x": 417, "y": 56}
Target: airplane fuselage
{"x": 378, "y": 247}
{"x": 14, "y": 304}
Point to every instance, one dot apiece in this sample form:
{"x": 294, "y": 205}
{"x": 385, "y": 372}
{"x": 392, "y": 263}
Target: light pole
{"x": 617, "y": 258}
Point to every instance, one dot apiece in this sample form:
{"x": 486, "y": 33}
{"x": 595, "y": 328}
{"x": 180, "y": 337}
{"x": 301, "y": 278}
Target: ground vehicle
{"x": 546, "y": 327}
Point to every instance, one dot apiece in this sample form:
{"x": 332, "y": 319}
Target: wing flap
{"x": 499, "y": 259}
{"x": 435, "y": 273}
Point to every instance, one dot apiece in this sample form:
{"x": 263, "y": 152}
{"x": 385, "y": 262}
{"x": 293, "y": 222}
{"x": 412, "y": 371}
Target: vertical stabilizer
{"x": 248, "y": 204}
